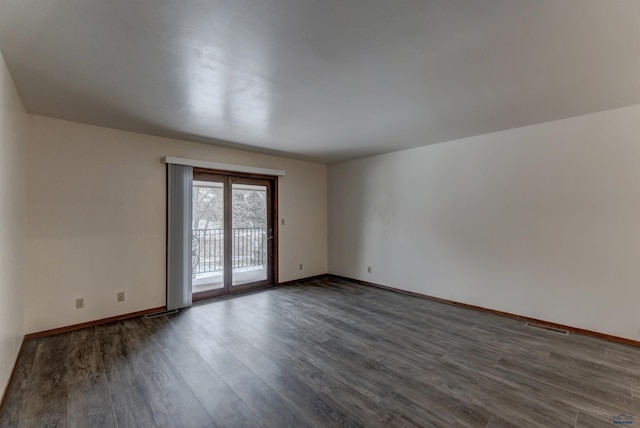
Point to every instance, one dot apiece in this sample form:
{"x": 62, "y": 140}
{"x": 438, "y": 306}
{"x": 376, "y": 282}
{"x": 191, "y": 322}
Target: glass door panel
{"x": 207, "y": 244}
{"x": 250, "y": 233}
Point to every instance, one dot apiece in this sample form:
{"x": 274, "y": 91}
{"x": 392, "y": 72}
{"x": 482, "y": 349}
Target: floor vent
{"x": 546, "y": 327}
{"x": 161, "y": 314}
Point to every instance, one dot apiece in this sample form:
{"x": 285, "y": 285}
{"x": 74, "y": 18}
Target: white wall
{"x": 97, "y": 219}
{"x": 541, "y": 221}
{"x": 13, "y": 123}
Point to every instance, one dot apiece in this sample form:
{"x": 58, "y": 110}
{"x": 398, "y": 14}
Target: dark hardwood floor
{"x": 322, "y": 353}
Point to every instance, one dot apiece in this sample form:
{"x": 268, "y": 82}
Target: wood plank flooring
{"x": 319, "y": 354}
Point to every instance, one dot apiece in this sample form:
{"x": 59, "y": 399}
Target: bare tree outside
{"x": 248, "y": 208}
{"x": 208, "y": 203}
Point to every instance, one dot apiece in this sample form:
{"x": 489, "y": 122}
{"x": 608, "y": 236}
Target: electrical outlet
{"x": 80, "y": 303}
{"x": 369, "y": 269}
{"x": 300, "y": 266}
{"x": 121, "y": 296}
{"x": 282, "y": 222}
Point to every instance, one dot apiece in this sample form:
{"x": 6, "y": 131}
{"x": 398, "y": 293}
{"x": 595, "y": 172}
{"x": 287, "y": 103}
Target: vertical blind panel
{"x": 180, "y": 194}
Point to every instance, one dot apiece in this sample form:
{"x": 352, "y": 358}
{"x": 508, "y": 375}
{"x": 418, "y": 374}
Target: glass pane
{"x": 208, "y": 236}
{"x": 249, "y": 233}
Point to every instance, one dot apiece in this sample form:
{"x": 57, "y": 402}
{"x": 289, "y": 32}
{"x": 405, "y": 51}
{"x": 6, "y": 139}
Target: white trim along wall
{"x": 224, "y": 166}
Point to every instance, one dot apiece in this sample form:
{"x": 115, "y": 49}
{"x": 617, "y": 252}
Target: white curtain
{"x": 179, "y": 235}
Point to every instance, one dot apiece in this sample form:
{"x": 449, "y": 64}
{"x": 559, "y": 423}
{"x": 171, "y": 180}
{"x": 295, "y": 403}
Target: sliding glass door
{"x": 233, "y": 233}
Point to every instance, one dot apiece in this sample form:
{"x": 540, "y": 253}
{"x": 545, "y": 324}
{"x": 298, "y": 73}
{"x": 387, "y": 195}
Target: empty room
{"x": 318, "y": 213}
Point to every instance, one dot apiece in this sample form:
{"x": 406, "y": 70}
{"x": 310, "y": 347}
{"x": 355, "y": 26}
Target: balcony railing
{"x": 249, "y": 249}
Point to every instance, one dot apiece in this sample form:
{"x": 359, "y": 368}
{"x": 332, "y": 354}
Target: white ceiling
{"x": 325, "y": 80}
